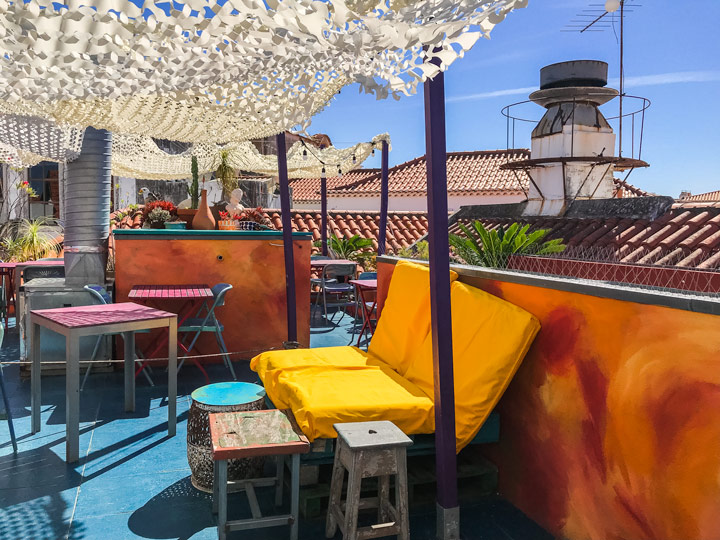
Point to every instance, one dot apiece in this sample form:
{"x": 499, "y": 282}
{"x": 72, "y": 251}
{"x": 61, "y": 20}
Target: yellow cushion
{"x": 320, "y": 397}
{"x": 269, "y": 365}
{"x": 405, "y": 319}
{"x": 490, "y": 339}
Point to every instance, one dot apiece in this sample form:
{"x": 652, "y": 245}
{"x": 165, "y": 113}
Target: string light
{"x": 323, "y": 169}
{"x": 304, "y": 154}
{"x": 339, "y": 171}
{"x": 354, "y": 159}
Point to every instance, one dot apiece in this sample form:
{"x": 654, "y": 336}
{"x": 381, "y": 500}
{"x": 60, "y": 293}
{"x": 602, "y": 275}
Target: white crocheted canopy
{"x": 139, "y": 157}
{"x": 212, "y": 73}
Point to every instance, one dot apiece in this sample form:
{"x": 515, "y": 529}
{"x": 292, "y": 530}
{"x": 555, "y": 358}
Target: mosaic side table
{"x": 217, "y": 398}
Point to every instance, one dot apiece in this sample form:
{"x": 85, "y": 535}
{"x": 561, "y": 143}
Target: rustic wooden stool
{"x": 369, "y": 449}
{"x": 252, "y": 434}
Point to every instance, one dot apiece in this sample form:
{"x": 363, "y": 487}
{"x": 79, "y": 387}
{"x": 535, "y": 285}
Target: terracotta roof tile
{"x": 468, "y": 173}
{"x": 687, "y": 235}
{"x": 404, "y": 228}
{"x": 705, "y": 197}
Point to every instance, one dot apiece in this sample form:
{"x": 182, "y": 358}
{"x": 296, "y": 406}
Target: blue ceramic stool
{"x": 214, "y": 398}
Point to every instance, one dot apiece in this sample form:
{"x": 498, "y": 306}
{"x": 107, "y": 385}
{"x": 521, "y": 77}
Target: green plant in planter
{"x": 30, "y": 240}
{"x": 419, "y": 251}
{"x": 225, "y": 174}
{"x": 194, "y": 188}
{"x": 495, "y": 247}
{"x": 158, "y": 216}
{"x": 349, "y": 248}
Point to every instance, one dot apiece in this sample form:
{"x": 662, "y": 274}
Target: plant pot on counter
{"x": 187, "y": 215}
{"x": 227, "y": 225}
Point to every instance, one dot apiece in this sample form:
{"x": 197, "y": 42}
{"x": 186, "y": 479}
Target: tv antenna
{"x": 598, "y": 18}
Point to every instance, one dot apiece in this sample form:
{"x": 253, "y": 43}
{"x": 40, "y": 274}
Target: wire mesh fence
{"x": 608, "y": 265}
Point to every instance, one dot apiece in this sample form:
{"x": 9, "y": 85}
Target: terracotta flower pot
{"x": 187, "y": 215}
{"x": 227, "y": 225}
{"x": 204, "y": 219}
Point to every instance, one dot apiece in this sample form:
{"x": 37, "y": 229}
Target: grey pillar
{"x": 87, "y": 210}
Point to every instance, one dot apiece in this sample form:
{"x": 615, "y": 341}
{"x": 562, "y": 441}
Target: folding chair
{"x": 101, "y": 295}
{"x": 207, "y": 322}
{"x": 329, "y": 285}
{"x": 6, "y": 401}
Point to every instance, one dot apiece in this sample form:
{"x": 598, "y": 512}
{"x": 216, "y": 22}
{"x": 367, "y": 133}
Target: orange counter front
{"x": 254, "y": 314}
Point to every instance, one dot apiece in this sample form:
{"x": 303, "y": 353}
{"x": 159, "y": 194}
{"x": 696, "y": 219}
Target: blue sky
{"x": 672, "y": 57}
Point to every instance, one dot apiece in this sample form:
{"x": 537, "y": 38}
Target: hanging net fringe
{"x": 139, "y": 157}
{"x": 202, "y": 72}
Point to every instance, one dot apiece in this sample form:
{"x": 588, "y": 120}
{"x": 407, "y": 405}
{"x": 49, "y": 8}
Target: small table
{"x": 251, "y": 434}
{"x": 193, "y": 294}
{"x": 76, "y": 322}
{"x": 321, "y": 263}
{"x": 217, "y": 398}
{"x": 363, "y": 287}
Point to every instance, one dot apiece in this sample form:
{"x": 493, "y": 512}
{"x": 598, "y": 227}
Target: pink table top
{"x": 170, "y": 291}
{"x": 54, "y": 262}
{"x": 365, "y": 283}
{"x": 323, "y": 262}
{"x": 84, "y": 316}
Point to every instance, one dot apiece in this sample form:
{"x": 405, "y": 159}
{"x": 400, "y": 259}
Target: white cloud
{"x": 630, "y": 82}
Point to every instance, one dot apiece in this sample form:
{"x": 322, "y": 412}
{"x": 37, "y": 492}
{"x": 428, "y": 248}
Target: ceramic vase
{"x": 203, "y": 219}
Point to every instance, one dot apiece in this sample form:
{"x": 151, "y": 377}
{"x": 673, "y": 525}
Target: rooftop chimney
{"x": 573, "y": 146}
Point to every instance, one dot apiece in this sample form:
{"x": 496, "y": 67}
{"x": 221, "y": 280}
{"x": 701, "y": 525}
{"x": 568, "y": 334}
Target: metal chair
{"x": 207, "y": 322}
{"x": 6, "y": 401}
{"x": 329, "y": 285}
{"x": 362, "y": 275}
{"x": 99, "y": 293}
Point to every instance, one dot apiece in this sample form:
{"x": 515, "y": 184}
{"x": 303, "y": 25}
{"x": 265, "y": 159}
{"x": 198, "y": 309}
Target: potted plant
{"x": 227, "y": 222}
{"x": 158, "y": 217}
{"x": 250, "y": 218}
{"x": 225, "y": 175}
{"x": 193, "y": 190}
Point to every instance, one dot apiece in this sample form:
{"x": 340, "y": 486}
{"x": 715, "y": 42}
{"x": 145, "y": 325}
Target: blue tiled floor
{"x": 133, "y": 481}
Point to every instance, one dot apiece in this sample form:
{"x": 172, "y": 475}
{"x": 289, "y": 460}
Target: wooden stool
{"x": 242, "y": 435}
{"x": 365, "y": 450}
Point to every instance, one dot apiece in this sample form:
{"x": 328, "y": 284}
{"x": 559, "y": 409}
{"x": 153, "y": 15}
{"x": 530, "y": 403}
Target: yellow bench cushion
{"x": 320, "y": 397}
{"x": 490, "y": 339}
{"x": 405, "y": 319}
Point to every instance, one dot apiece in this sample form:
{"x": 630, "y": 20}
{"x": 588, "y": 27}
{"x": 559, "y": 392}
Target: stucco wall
{"x": 611, "y": 427}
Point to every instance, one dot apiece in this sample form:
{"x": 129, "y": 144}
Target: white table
{"x": 77, "y": 322}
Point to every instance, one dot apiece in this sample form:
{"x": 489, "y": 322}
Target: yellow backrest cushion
{"x": 405, "y": 319}
{"x": 490, "y": 339}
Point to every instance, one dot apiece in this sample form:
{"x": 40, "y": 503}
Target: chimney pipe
{"x": 87, "y": 210}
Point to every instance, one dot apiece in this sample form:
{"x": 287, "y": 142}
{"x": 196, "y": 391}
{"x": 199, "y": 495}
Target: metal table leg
{"x": 222, "y": 498}
{"x": 280, "y": 479}
{"x": 72, "y": 397}
{"x": 129, "y": 340}
{"x": 35, "y": 376}
{"x": 172, "y": 379}
{"x": 295, "y": 496}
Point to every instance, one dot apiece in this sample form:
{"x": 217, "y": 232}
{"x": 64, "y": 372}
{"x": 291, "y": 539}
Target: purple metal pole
{"x": 287, "y": 236}
{"x": 384, "y": 189}
{"x": 323, "y": 210}
{"x": 448, "y": 520}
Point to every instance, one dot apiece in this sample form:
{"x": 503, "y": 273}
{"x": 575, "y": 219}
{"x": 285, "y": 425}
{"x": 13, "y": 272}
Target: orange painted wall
{"x": 611, "y": 428}
{"x": 254, "y": 315}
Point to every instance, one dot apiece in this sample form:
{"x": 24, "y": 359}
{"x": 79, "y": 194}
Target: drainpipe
{"x": 448, "y": 512}
{"x": 287, "y": 236}
{"x": 87, "y": 210}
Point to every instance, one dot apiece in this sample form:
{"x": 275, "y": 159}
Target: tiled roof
{"x": 404, "y": 228}
{"x": 307, "y": 190}
{"x": 709, "y": 196}
{"x": 468, "y": 173}
{"x": 685, "y": 236}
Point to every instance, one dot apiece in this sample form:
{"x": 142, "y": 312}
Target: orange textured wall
{"x": 254, "y": 315}
{"x": 611, "y": 427}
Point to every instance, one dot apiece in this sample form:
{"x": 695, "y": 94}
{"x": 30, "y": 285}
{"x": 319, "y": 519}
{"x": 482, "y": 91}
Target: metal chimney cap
{"x": 587, "y": 73}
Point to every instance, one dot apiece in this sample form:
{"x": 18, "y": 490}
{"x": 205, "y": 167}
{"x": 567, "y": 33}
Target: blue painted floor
{"x": 133, "y": 481}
